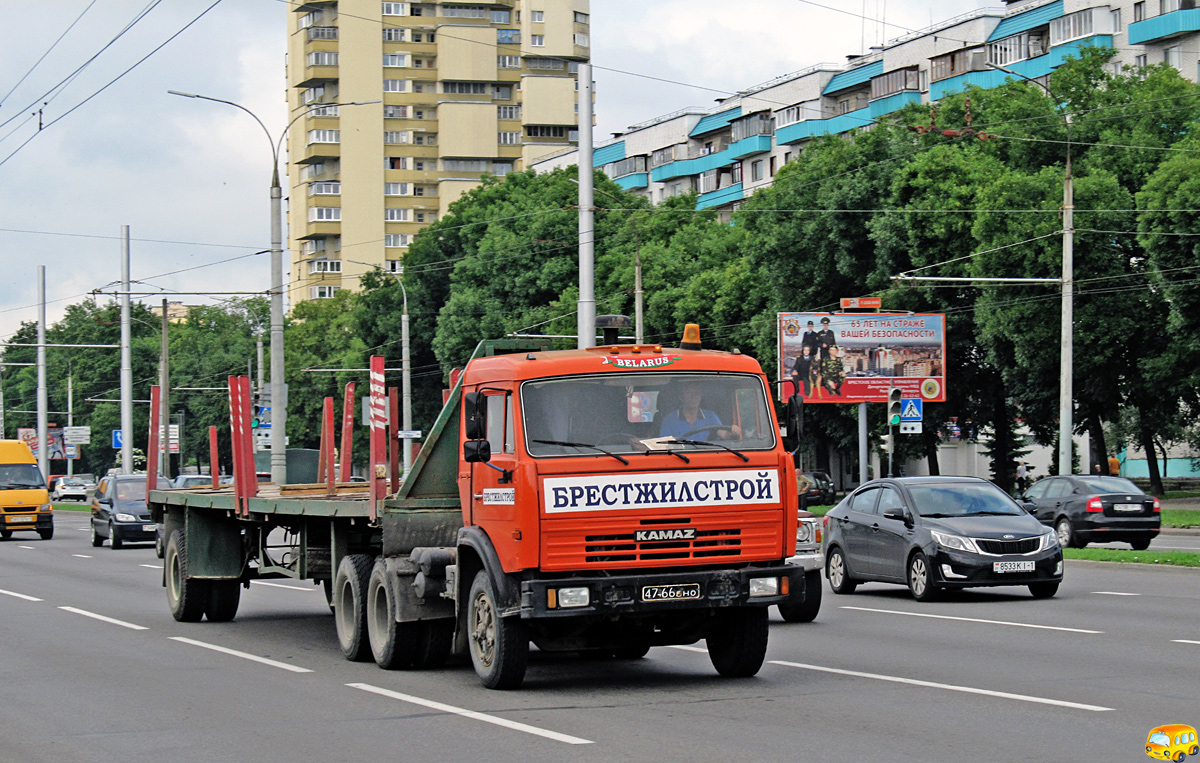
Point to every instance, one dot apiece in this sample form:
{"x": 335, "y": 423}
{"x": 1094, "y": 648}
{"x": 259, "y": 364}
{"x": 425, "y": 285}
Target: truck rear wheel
{"x": 223, "y": 599}
{"x": 393, "y": 644}
{"x": 350, "y": 606}
{"x": 499, "y": 645}
{"x": 186, "y": 597}
{"x": 804, "y": 611}
{"x": 737, "y": 641}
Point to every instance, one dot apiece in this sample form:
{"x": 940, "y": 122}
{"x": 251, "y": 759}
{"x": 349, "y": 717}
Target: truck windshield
{"x": 20, "y": 476}
{"x": 645, "y": 412}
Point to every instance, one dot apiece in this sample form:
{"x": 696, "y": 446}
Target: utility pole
{"x": 586, "y": 325}
{"x": 70, "y": 415}
{"x": 1066, "y": 429}
{"x": 862, "y": 443}
{"x": 126, "y": 361}
{"x": 43, "y": 404}
{"x": 637, "y": 286}
{"x": 164, "y": 415}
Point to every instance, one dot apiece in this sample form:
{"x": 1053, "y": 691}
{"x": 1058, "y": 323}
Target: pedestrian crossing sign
{"x": 911, "y": 409}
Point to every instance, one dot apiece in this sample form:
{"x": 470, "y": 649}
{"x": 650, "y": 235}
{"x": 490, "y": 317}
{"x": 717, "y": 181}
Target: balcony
{"x": 634, "y": 181}
{"x": 1167, "y": 25}
{"x": 691, "y": 166}
{"x": 755, "y": 144}
{"x": 720, "y": 197}
{"x": 1040, "y": 66}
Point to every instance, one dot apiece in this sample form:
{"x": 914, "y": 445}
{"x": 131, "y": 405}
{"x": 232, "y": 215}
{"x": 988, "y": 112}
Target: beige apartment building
{"x": 454, "y": 91}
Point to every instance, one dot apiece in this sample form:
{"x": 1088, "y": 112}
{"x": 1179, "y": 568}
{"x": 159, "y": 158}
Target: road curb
{"x": 1179, "y": 531}
{"x": 1134, "y": 564}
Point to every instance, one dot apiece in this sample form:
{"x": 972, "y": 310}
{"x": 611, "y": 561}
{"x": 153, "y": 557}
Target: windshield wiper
{"x": 994, "y": 513}
{"x": 715, "y": 444}
{"x": 569, "y": 444}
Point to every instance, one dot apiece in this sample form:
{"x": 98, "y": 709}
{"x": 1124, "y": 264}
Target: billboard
{"x": 858, "y": 357}
{"x": 58, "y": 450}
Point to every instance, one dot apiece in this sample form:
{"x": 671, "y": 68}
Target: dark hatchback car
{"x": 932, "y": 533}
{"x": 1087, "y": 509}
{"x": 119, "y": 511}
{"x": 820, "y": 491}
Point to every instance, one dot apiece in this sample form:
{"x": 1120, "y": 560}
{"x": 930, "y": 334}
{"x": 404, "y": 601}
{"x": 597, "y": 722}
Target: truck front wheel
{"x": 350, "y": 606}
{"x": 737, "y": 641}
{"x": 804, "y": 611}
{"x": 499, "y": 646}
{"x": 186, "y": 597}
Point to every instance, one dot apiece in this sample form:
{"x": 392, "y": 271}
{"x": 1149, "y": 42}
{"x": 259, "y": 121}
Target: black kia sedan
{"x": 1096, "y": 509}
{"x": 934, "y": 533}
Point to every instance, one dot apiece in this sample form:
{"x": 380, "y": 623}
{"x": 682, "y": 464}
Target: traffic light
{"x": 893, "y": 407}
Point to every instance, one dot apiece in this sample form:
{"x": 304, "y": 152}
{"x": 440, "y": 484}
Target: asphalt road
{"x": 93, "y": 668}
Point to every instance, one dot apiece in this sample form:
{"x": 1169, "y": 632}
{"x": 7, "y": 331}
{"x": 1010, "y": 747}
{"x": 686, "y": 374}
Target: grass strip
{"x": 1180, "y": 518}
{"x": 72, "y": 507}
{"x": 1150, "y": 556}
{"x": 1182, "y": 494}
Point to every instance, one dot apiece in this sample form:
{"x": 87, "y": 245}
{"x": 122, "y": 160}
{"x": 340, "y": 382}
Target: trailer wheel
{"x": 393, "y": 644}
{"x": 737, "y": 641}
{"x": 434, "y": 643}
{"x": 499, "y": 645}
{"x": 223, "y": 599}
{"x": 186, "y": 597}
{"x": 804, "y": 611}
{"x": 350, "y": 606}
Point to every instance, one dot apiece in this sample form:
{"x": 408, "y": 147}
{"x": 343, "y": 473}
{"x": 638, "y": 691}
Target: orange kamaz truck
{"x": 601, "y": 501}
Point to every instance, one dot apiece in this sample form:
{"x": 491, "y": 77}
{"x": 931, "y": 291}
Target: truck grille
{"x": 577, "y": 543}
{"x": 1022, "y": 546}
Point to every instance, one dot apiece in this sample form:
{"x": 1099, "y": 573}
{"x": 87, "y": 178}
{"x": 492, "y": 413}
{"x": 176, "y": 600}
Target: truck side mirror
{"x": 475, "y": 415}
{"x": 477, "y": 451}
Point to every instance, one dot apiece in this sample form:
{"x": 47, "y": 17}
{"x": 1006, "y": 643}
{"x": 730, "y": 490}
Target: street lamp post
{"x": 278, "y": 387}
{"x": 1066, "y": 358}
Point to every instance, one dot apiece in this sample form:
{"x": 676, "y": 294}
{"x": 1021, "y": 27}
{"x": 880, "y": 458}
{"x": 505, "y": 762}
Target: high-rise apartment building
{"x": 458, "y": 90}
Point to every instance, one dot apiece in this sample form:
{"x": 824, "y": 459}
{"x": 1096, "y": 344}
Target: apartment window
{"x": 423, "y": 217}
{"x": 846, "y": 106}
{"x": 324, "y": 136}
{"x": 325, "y": 266}
{"x": 508, "y": 36}
{"x": 1139, "y": 61}
{"x": 393, "y": 266}
{"x": 789, "y": 116}
{"x": 323, "y": 33}
{"x": 1169, "y": 6}
{"x": 737, "y": 173}
{"x": 425, "y": 114}
{"x": 310, "y": 171}
{"x": 395, "y": 112}
{"x": 502, "y": 92}
{"x": 500, "y": 169}
{"x": 394, "y": 240}
{"x": 324, "y": 214}
{"x": 1071, "y": 27}
{"x": 419, "y": 165}
{"x": 755, "y": 124}
{"x": 322, "y": 58}
{"x": 627, "y": 166}
{"x": 391, "y": 34}
{"x": 466, "y": 165}
{"x": 546, "y": 131}
{"x": 1115, "y": 20}
{"x": 501, "y": 17}
{"x": 508, "y": 62}
{"x": 465, "y": 88}
{"x": 508, "y": 112}
{"x": 537, "y": 40}
{"x": 395, "y": 9}
{"x": 313, "y": 94}
{"x": 708, "y": 181}
{"x": 573, "y": 68}
{"x": 324, "y": 111}
{"x": 395, "y": 189}
{"x": 554, "y": 64}
{"x": 772, "y": 166}
{"x": 662, "y": 156}
{"x": 465, "y": 11}
{"x": 756, "y": 171}
{"x": 896, "y": 81}
{"x": 397, "y": 215}
{"x": 1018, "y": 47}
{"x": 395, "y": 59}
{"x": 419, "y": 190}
{"x": 1139, "y": 11}
{"x": 309, "y": 19}
{"x": 581, "y": 18}
{"x": 323, "y": 292}
{"x": 424, "y": 36}
{"x": 396, "y": 137}
{"x": 312, "y": 246}
{"x": 329, "y": 188}
{"x": 395, "y": 86}
{"x": 425, "y": 139}
{"x": 582, "y": 40}
{"x": 395, "y": 162}
{"x": 1173, "y": 56}
{"x": 510, "y": 138}
{"x": 537, "y": 17}
{"x": 954, "y": 64}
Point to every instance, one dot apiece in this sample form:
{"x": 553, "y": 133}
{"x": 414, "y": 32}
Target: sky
{"x": 191, "y": 178}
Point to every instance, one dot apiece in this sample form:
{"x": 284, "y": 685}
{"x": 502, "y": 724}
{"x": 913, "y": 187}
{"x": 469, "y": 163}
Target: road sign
{"x": 912, "y": 409}
{"x": 77, "y": 435}
{"x": 861, "y": 303}
{"x": 911, "y": 427}
{"x": 409, "y": 434}
{"x": 116, "y": 441}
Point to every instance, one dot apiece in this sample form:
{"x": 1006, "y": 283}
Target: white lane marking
{"x": 243, "y": 655}
{"x": 948, "y": 687}
{"x": 473, "y": 715}
{"x": 1184, "y": 641}
{"x": 82, "y": 556}
{"x": 31, "y": 548}
{"x": 281, "y": 585}
{"x": 152, "y": 566}
{"x": 690, "y": 649}
{"x": 20, "y": 595}
{"x": 102, "y": 618}
{"x": 1114, "y": 593}
{"x": 972, "y": 620}
{"x": 83, "y": 529}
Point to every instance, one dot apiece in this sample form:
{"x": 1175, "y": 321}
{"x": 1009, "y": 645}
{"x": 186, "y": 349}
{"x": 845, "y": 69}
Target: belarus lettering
{"x": 677, "y": 489}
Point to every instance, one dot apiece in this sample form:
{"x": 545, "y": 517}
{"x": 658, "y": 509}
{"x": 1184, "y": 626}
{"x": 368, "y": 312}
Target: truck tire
{"x": 223, "y": 599}
{"x": 434, "y": 643}
{"x": 187, "y": 598}
{"x": 737, "y": 641}
{"x": 804, "y": 611}
{"x": 499, "y": 646}
{"x": 393, "y": 644}
{"x": 350, "y": 606}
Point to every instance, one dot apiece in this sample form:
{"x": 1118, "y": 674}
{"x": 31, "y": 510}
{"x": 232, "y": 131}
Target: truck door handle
{"x": 477, "y": 496}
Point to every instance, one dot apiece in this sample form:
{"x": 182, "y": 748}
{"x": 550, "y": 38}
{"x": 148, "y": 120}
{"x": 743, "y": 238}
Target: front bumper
{"x": 41, "y": 520}
{"x": 622, "y": 594}
{"x": 808, "y": 560}
{"x": 135, "y": 532}
{"x": 974, "y": 570}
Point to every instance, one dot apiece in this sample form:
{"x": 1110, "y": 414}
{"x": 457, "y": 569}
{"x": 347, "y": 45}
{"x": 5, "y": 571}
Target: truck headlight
{"x": 571, "y": 597}
{"x": 955, "y": 542}
{"x": 764, "y": 587}
{"x": 804, "y": 532}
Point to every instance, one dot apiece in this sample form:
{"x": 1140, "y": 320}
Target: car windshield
{"x": 72, "y": 482}
{"x": 1160, "y": 738}
{"x": 643, "y": 412}
{"x": 1110, "y": 484}
{"x": 961, "y": 499}
{"x": 18, "y": 476}
{"x": 135, "y": 489}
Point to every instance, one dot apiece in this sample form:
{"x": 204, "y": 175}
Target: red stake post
{"x": 214, "y": 467}
{"x": 378, "y": 443}
{"x": 235, "y": 437}
{"x": 393, "y": 443}
{"x": 248, "y": 440}
{"x": 347, "y": 433}
{"x": 327, "y": 437}
{"x": 152, "y": 442}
